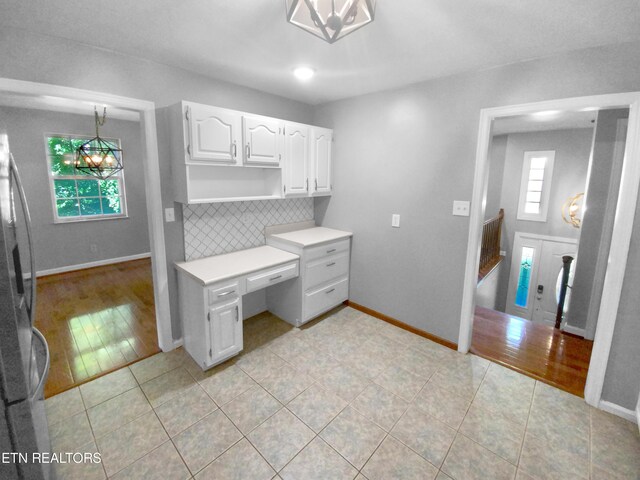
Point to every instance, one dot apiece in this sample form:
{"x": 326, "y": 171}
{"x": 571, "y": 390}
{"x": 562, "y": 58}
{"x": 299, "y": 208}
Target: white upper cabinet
{"x": 213, "y": 134}
{"x": 321, "y": 142}
{"x": 262, "y": 140}
{"x": 296, "y": 160}
{"x": 222, "y": 155}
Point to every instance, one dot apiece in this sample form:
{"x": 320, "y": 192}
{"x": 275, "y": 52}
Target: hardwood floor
{"x": 96, "y": 320}
{"x": 539, "y": 351}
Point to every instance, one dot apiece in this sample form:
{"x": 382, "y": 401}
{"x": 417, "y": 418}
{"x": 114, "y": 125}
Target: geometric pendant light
{"x": 98, "y": 157}
{"x": 330, "y": 19}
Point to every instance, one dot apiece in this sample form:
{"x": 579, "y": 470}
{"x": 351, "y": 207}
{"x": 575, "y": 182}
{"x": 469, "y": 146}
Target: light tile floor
{"x": 348, "y": 396}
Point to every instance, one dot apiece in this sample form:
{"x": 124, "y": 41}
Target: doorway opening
{"x": 565, "y": 282}
{"x": 100, "y": 269}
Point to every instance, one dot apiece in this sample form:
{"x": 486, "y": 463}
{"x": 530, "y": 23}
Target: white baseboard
{"x": 177, "y": 343}
{"x": 98, "y": 263}
{"x": 574, "y": 330}
{"x": 618, "y": 411}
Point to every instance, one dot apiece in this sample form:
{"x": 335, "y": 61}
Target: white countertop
{"x": 311, "y": 236}
{"x": 229, "y": 265}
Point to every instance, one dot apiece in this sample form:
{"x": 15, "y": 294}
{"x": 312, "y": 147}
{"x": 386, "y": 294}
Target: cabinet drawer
{"x": 227, "y": 291}
{"x": 327, "y": 249}
{"x": 319, "y": 301}
{"x": 321, "y": 271}
{"x": 272, "y": 276}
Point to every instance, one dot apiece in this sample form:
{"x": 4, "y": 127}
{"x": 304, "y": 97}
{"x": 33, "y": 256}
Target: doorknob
{"x": 540, "y": 289}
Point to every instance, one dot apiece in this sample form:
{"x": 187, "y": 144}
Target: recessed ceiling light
{"x": 304, "y": 73}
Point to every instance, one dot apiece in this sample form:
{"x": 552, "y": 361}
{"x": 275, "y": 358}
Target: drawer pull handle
{"x": 331, "y": 264}
{"x": 331, "y": 250}
{"x": 275, "y": 278}
{"x": 224, "y": 294}
{"x": 329, "y": 291}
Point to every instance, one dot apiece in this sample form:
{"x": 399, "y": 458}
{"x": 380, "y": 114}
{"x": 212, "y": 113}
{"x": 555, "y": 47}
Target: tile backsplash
{"x": 215, "y": 228}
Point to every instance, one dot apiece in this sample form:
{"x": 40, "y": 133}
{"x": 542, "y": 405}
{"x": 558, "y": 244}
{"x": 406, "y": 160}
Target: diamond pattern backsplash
{"x": 215, "y": 228}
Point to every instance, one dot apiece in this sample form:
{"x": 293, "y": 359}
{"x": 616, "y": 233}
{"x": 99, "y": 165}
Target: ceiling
{"x": 248, "y": 42}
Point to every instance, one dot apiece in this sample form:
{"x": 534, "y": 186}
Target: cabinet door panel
{"x": 226, "y": 330}
{"x": 261, "y": 141}
{"x": 321, "y": 158}
{"x": 214, "y": 134}
{"x": 296, "y": 141}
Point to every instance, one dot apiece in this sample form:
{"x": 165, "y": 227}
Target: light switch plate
{"x": 461, "y": 208}
{"x": 169, "y": 215}
{"x": 395, "y": 220}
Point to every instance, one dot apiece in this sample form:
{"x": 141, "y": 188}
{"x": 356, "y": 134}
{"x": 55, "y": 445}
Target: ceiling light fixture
{"x": 304, "y": 73}
{"x": 330, "y": 19}
{"x": 98, "y": 157}
{"x": 571, "y": 209}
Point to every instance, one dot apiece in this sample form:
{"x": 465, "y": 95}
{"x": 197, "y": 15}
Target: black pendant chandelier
{"x": 98, "y": 157}
{"x": 330, "y": 19}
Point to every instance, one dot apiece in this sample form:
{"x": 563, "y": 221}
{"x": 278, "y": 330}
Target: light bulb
{"x": 304, "y": 73}
{"x": 96, "y": 159}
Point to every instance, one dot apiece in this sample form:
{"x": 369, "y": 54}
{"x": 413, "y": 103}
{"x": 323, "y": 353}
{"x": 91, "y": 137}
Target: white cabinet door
{"x": 296, "y": 160}
{"x": 225, "y": 330}
{"x": 214, "y": 134}
{"x": 262, "y": 140}
{"x": 321, "y": 160}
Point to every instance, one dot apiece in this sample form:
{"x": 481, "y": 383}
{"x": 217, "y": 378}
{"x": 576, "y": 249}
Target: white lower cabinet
{"x": 322, "y": 285}
{"x": 211, "y": 319}
{"x": 225, "y": 330}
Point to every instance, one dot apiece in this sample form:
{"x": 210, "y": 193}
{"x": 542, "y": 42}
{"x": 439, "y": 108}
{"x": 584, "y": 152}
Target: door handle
{"x": 275, "y": 278}
{"x": 234, "y": 150}
{"x": 248, "y": 151}
{"x": 224, "y": 294}
{"x": 540, "y": 289}
{"x": 329, "y": 291}
{"x": 331, "y": 264}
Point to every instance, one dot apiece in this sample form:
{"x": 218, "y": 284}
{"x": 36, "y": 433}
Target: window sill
{"x": 88, "y": 219}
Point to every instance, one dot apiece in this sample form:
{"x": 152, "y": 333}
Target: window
{"x": 79, "y": 197}
{"x": 535, "y": 186}
{"x": 524, "y": 277}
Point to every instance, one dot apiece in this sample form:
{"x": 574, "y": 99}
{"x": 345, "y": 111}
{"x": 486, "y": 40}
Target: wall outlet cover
{"x": 169, "y": 215}
{"x": 395, "y": 220}
{"x": 461, "y": 208}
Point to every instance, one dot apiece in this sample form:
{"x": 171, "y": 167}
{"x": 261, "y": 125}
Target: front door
{"x": 536, "y": 274}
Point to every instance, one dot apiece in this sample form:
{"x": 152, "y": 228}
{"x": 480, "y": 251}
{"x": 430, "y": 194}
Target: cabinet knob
{"x": 234, "y": 149}
{"x": 248, "y": 151}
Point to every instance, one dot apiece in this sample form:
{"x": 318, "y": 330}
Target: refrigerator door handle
{"x": 27, "y": 218}
{"x": 43, "y": 378}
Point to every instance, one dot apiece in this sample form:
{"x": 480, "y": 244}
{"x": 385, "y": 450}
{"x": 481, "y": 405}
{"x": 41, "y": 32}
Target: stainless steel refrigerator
{"x": 24, "y": 354}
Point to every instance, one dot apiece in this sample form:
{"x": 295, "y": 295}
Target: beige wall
{"x": 423, "y": 140}
{"x": 67, "y": 244}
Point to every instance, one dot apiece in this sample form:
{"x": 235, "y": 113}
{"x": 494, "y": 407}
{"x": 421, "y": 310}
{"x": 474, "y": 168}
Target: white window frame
{"x": 541, "y": 216}
{"x": 82, "y": 218}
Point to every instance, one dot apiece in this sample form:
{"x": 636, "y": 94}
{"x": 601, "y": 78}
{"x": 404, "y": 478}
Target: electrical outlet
{"x": 94, "y": 248}
{"x": 395, "y": 220}
{"x": 461, "y": 208}
{"x": 169, "y": 215}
